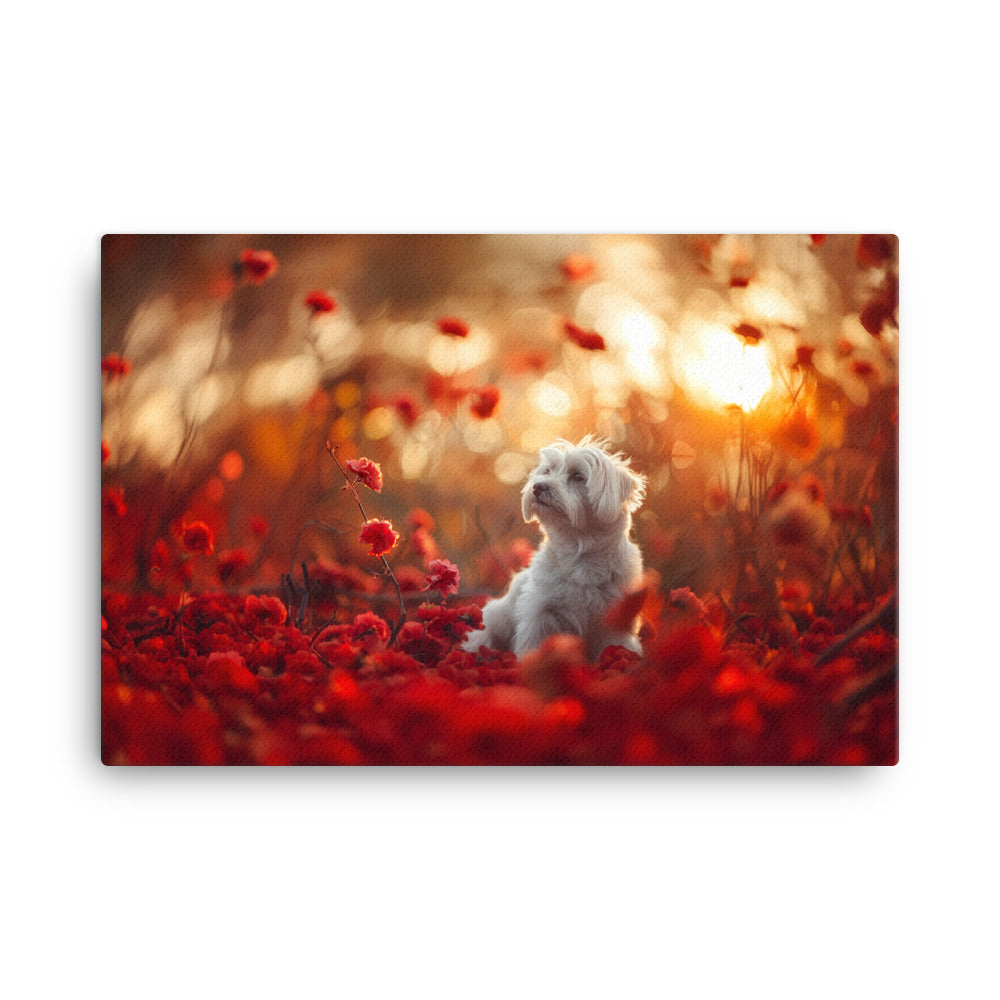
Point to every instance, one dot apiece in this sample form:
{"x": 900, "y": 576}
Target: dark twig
{"x": 876, "y": 616}
{"x": 300, "y": 617}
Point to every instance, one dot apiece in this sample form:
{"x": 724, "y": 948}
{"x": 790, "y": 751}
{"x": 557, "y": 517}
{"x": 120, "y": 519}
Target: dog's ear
{"x": 615, "y": 488}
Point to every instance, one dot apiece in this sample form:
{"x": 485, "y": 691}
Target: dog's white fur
{"x": 583, "y": 497}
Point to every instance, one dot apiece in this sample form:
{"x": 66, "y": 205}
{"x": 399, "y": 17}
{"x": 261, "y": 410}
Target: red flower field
{"x": 297, "y": 539}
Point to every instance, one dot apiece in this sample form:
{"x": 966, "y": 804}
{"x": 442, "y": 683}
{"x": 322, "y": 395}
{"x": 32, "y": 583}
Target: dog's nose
{"x": 539, "y": 488}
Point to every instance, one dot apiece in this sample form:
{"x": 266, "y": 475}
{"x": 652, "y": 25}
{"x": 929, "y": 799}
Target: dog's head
{"x": 582, "y": 487}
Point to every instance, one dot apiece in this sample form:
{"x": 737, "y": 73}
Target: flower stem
{"x": 332, "y": 451}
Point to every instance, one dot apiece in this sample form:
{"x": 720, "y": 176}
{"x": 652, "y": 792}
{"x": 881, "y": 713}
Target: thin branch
{"x": 872, "y": 619}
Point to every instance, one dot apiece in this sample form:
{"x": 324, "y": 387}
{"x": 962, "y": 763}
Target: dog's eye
{"x": 577, "y": 477}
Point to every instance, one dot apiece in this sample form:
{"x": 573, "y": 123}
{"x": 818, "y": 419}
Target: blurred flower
{"x": 114, "y": 365}
{"x": 804, "y": 357}
{"x": 813, "y": 486}
{"x": 485, "y": 400}
{"x": 424, "y": 545}
{"x": 160, "y": 556}
{"x": 258, "y": 525}
{"x": 875, "y": 314}
{"x": 798, "y": 435}
{"x": 114, "y": 501}
{"x": 320, "y": 302}
{"x": 407, "y": 407}
{"x": 874, "y": 249}
{"x": 442, "y": 575}
{"x": 587, "y": 339}
{"x": 419, "y": 518}
{"x": 526, "y": 361}
{"x": 197, "y": 537}
{"x": 380, "y": 536}
{"x": 453, "y": 326}
{"x": 818, "y": 239}
{"x": 716, "y": 498}
{"x": 257, "y": 265}
{"x": 751, "y": 334}
{"x": 231, "y": 466}
{"x": 577, "y": 266}
{"x": 105, "y": 452}
{"x": 684, "y": 600}
{"x": 232, "y": 563}
{"x": 367, "y": 471}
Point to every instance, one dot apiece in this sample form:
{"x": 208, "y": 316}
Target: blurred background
{"x": 753, "y": 379}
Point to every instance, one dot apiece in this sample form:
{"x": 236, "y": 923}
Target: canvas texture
{"x": 546, "y": 500}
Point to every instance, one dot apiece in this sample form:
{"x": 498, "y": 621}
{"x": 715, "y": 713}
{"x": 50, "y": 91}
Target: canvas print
{"x": 479, "y": 499}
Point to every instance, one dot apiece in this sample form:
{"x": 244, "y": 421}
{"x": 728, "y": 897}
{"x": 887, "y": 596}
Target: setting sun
{"x": 728, "y": 371}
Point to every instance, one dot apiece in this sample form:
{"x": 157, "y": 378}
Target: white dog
{"x": 583, "y": 498}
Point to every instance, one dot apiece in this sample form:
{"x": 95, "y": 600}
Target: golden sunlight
{"x": 728, "y": 371}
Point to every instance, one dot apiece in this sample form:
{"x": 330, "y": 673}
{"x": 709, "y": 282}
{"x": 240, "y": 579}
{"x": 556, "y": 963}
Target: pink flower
{"x": 442, "y": 575}
{"x": 320, "y": 302}
{"x": 380, "y": 536}
{"x": 368, "y": 473}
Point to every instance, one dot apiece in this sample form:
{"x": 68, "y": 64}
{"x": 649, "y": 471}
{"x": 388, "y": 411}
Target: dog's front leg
{"x": 539, "y": 625}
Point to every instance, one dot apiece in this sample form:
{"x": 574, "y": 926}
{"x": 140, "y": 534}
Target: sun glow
{"x": 725, "y": 370}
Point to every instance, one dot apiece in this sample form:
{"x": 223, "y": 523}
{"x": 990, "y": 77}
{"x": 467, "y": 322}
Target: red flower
{"x": 320, "y": 302}
{"x": 266, "y": 609}
{"x": 368, "y": 473}
{"x": 370, "y": 623}
{"x": 197, "y": 537}
{"x": 380, "y": 536}
{"x": 114, "y": 501}
{"x": 577, "y": 266}
{"x": 453, "y": 326}
{"x": 442, "y": 575}
{"x": 484, "y": 401}
{"x": 105, "y": 452}
{"x": 683, "y": 599}
{"x": 114, "y": 365}
{"x": 257, "y": 265}
{"x": 587, "y": 339}
{"x": 258, "y": 525}
{"x": 818, "y": 239}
